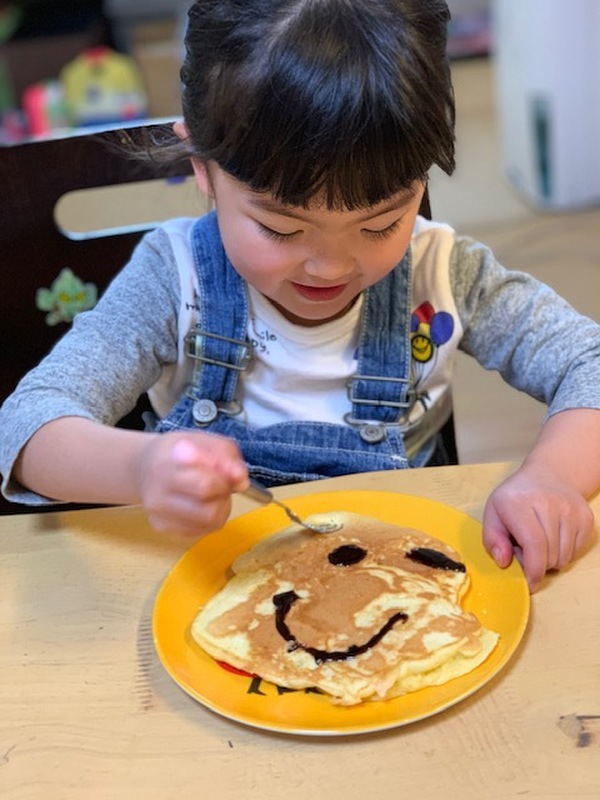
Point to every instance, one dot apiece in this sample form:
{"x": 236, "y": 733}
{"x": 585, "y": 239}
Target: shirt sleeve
{"x": 520, "y": 327}
{"x": 107, "y": 360}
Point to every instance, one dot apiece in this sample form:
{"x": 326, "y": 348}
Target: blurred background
{"x": 528, "y": 131}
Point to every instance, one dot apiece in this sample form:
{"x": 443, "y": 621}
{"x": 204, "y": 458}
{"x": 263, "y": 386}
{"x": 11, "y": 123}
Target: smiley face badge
{"x": 369, "y": 612}
{"x": 429, "y": 329}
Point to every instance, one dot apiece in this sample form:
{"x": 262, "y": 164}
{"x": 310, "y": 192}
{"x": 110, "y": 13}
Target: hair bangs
{"x": 348, "y": 102}
{"x": 346, "y": 161}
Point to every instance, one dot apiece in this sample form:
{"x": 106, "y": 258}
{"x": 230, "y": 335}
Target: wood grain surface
{"x": 87, "y": 711}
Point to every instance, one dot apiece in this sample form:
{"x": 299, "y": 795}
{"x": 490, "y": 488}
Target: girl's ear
{"x": 200, "y": 171}
{"x": 202, "y": 177}
{"x": 180, "y": 129}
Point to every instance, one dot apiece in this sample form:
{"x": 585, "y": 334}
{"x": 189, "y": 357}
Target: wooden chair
{"x": 34, "y": 177}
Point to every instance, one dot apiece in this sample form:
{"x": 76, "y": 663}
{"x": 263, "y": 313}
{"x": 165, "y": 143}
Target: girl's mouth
{"x": 319, "y": 292}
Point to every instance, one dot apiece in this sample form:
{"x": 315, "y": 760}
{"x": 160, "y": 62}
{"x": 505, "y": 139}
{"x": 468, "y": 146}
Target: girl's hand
{"x": 185, "y": 481}
{"x": 545, "y": 522}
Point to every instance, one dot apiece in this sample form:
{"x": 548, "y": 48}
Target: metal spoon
{"x": 263, "y": 495}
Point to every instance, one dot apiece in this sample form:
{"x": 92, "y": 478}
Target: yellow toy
{"x": 102, "y": 86}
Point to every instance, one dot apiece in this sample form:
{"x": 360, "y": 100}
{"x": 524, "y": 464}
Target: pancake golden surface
{"x": 369, "y": 612}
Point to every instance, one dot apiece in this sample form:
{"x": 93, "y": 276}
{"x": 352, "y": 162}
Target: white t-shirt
{"x": 298, "y": 372}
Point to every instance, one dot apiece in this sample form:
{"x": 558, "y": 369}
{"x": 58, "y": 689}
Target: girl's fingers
{"x": 190, "y": 516}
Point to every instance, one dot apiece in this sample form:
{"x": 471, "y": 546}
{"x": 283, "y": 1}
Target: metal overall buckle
{"x": 374, "y": 431}
{"x": 204, "y": 410}
{"x": 193, "y": 349}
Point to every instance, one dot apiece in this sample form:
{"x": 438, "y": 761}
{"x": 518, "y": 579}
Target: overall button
{"x": 204, "y": 411}
{"x": 372, "y": 433}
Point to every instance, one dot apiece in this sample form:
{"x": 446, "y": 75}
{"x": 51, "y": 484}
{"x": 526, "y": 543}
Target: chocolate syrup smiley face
{"x": 356, "y": 613}
{"x": 347, "y": 555}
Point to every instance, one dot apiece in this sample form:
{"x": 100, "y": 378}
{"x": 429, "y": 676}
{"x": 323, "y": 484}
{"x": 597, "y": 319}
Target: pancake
{"x": 369, "y": 612}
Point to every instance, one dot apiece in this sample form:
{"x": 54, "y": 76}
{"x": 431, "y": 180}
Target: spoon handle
{"x": 259, "y": 493}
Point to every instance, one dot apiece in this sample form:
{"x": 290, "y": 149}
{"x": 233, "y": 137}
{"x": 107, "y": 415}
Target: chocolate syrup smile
{"x": 283, "y": 603}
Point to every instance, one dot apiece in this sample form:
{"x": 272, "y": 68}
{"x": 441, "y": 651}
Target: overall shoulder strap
{"x": 217, "y": 344}
{"x": 380, "y": 389}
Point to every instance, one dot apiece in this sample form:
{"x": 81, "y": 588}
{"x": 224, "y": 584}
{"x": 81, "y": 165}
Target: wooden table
{"x": 87, "y": 711}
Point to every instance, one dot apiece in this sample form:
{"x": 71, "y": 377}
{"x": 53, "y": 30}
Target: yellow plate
{"x": 499, "y": 598}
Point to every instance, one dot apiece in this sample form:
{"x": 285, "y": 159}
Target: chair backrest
{"x": 34, "y": 176}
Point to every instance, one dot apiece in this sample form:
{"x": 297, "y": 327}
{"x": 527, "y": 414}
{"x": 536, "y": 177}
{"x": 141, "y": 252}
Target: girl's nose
{"x": 330, "y": 268}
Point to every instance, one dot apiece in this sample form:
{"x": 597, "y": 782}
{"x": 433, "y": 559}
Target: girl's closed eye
{"x": 277, "y": 235}
{"x": 384, "y": 232}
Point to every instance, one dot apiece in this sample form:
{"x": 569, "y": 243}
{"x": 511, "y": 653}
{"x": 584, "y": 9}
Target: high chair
{"x": 56, "y": 260}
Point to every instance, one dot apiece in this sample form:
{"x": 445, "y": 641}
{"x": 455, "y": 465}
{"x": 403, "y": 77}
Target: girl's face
{"x": 310, "y": 263}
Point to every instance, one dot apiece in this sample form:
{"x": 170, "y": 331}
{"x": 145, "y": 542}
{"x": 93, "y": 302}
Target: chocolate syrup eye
{"x": 346, "y": 555}
{"x": 434, "y": 559}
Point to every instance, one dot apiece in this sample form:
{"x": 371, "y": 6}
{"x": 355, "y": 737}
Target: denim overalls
{"x": 379, "y": 394}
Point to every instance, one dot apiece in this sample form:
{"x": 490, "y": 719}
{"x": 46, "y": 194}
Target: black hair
{"x": 350, "y": 100}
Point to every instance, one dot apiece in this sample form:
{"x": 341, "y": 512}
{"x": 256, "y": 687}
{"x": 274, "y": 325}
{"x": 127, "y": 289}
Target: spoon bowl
{"x": 263, "y": 495}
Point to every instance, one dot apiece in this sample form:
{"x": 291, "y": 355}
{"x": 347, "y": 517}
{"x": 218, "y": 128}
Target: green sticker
{"x": 67, "y": 296}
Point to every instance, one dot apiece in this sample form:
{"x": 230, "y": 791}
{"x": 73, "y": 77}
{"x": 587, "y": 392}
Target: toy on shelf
{"x": 99, "y": 87}
{"x": 44, "y": 107}
{"x": 102, "y": 86}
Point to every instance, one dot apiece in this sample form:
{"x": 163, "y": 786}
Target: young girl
{"x": 307, "y": 327}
